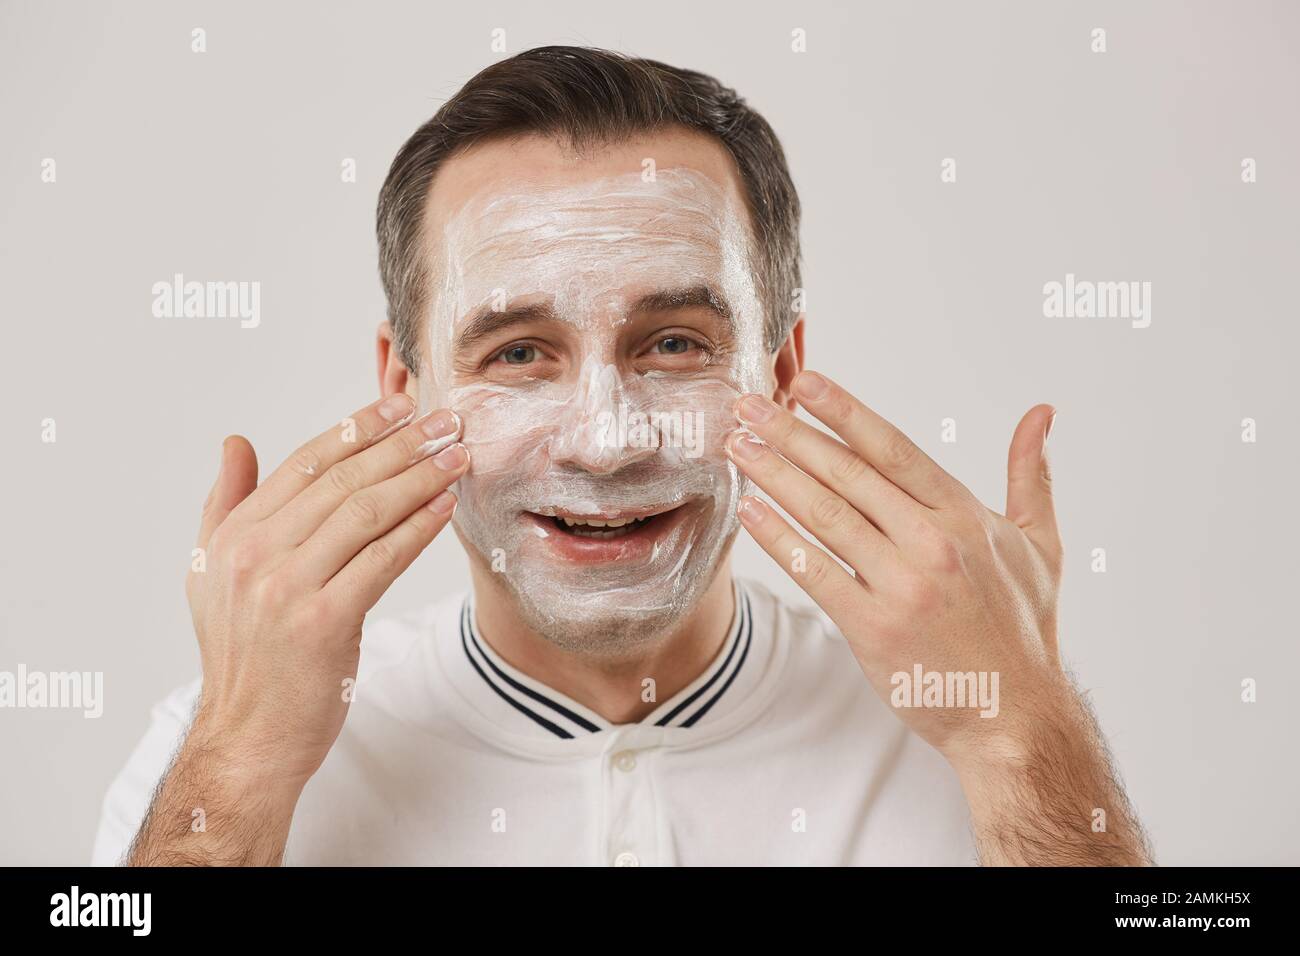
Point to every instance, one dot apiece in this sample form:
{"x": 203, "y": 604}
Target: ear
{"x": 394, "y": 376}
{"x": 786, "y": 364}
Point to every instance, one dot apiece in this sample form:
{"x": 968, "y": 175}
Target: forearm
{"x": 1050, "y": 796}
{"x": 213, "y": 810}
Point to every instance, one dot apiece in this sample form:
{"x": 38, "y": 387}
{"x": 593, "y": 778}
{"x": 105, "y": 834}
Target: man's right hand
{"x": 290, "y": 569}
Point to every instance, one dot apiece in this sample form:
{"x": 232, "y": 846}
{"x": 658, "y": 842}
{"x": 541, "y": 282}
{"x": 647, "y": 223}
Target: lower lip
{"x": 635, "y": 545}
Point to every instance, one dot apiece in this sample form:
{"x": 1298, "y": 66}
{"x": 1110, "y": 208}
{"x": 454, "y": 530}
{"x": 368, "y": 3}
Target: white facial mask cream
{"x": 600, "y": 431}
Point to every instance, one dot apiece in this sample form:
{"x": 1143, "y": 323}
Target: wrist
{"x": 1043, "y": 790}
{"x": 1053, "y": 722}
{"x": 240, "y": 768}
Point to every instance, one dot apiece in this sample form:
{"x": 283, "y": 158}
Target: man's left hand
{"x": 941, "y": 583}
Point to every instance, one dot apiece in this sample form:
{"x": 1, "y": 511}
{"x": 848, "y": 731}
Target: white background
{"x": 925, "y": 297}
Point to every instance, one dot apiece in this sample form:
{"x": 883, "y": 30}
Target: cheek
{"x": 504, "y": 433}
{"x": 700, "y": 415}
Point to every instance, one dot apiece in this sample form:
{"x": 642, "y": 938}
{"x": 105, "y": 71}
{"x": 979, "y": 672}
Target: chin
{"x": 602, "y": 629}
{"x": 607, "y": 616}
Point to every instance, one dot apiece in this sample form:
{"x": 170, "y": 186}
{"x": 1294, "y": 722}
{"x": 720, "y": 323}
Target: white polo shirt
{"x": 779, "y": 753}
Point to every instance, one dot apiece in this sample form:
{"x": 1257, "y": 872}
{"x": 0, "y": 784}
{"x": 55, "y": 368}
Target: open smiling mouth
{"x": 609, "y": 526}
{"x": 605, "y": 530}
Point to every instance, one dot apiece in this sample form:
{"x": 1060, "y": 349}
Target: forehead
{"x": 499, "y": 168}
{"x": 530, "y": 213}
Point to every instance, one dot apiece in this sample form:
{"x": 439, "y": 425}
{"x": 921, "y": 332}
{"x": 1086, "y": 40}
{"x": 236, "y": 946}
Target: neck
{"x": 612, "y": 687}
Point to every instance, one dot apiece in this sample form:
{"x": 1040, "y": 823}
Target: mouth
{"x": 614, "y": 535}
{"x": 608, "y": 526}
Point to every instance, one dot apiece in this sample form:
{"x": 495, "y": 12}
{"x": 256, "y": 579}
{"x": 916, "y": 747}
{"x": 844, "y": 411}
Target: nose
{"x": 592, "y": 432}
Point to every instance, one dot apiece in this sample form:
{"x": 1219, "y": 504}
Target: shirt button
{"x": 626, "y": 859}
{"x": 625, "y": 760}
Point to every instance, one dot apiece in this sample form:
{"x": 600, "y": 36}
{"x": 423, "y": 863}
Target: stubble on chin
{"x": 601, "y": 628}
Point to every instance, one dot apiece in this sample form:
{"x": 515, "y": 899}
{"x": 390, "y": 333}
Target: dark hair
{"x": 585, "y": 97}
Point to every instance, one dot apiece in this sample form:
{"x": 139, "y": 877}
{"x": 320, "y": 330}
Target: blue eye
{"x": 519, "y": 355}
{"x": 674, "y": 345}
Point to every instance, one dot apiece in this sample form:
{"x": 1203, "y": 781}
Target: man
{"x": 590, "y": 263}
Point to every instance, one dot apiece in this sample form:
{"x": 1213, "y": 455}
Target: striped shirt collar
{"x": 525, "y": 704}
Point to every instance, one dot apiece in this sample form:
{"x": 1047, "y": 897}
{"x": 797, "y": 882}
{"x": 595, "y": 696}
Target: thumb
{"x": 236, "y": 480}
{"x": 1029, "y": 479}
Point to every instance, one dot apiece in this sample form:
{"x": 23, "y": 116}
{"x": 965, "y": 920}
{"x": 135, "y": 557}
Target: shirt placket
{"x": 631, "y": 836}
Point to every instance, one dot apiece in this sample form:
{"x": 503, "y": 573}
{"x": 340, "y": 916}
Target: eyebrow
{"x": 486, "y": 321}
{"x": 701, "y": 295}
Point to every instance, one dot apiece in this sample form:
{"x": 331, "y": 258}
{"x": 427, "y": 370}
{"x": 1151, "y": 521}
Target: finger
{"x": 892, "y": 453}
{"x": 830, "y": 519}
{"x": 310, "y": 461}
{"x": 834, "y": 464}
{"x": 236, "y": 480}
{"x": 829, "y": 585}
{"x": 363, "y": 581}
{"x": 371, "y": 513}
{"x": 1029, "y": 478}
{"x": 300, "y": 518}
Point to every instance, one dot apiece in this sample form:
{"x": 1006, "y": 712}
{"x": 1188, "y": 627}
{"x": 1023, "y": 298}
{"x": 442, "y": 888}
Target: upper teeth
{"x": 592, "y": 522}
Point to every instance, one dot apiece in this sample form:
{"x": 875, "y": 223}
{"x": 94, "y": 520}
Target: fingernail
{"x": 756, "y": 409}
{"x": 449, "y": 459}
{"x": 396, "y": 407}
{"x": 811, "y": 386}
{"x": 751, "y": 510}
{"x": 746, "y": 447}
{"x": 440, "y": 424}
{"x": 445, "y": 503}
{"x": 1050, "y": 422}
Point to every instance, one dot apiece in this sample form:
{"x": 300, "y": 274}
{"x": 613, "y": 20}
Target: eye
{"x": 518, "y": 354}
{"x": 674, "y": 345}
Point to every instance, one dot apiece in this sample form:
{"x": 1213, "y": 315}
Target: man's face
{"x": 592, "y": 319}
